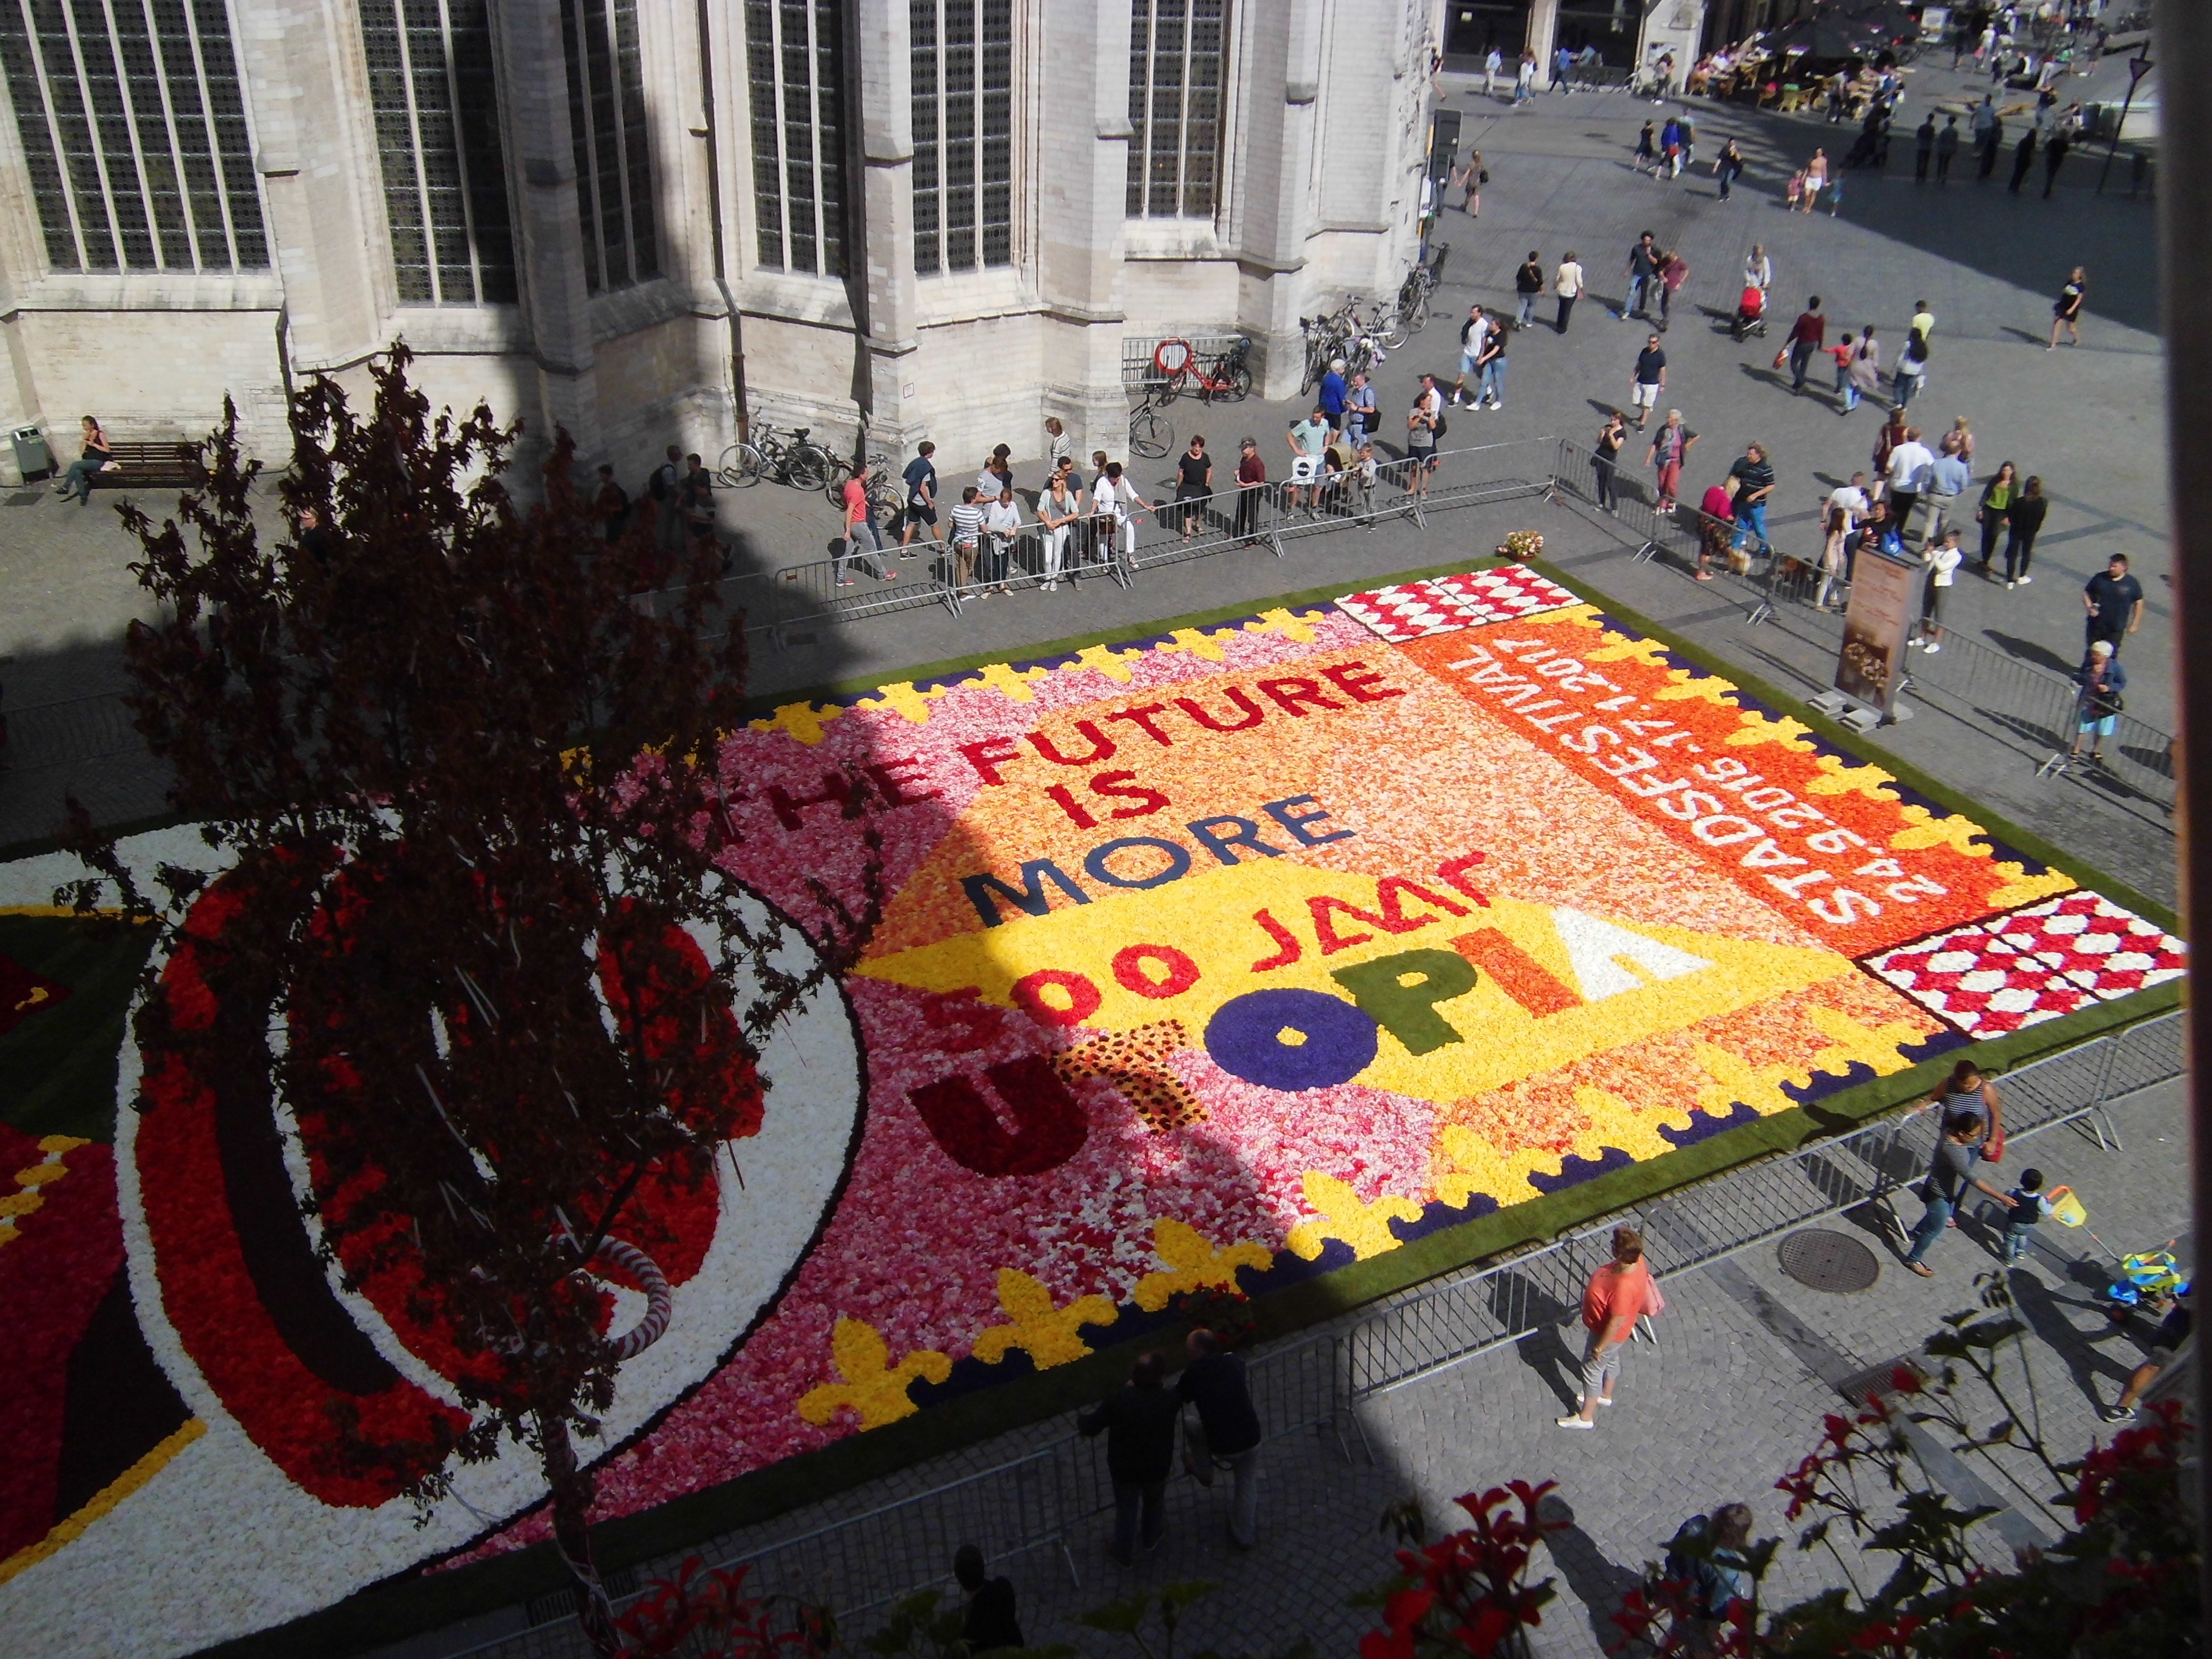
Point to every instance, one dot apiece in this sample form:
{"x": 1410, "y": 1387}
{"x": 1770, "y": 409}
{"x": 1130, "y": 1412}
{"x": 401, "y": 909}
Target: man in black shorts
{"x": 920, "y": 497}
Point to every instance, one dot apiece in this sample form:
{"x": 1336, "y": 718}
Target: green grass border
{"x": 415, "y": 1601}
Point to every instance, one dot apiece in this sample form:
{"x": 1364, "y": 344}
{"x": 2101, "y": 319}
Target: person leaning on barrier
{"x": 1059, "y": 510}
{"x": 1139, "y": 1421}
{"x": 967, "y": 537}
{"x": 987, "y": 1621}
{"x": 1002, "y": 521}
{"x": 1251, "y": 484}
{"x": 1215, "y": 1382}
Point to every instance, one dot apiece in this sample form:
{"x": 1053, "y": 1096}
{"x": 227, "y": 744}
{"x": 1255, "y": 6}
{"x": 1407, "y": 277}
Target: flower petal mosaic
{"x": 1214, "y": 960}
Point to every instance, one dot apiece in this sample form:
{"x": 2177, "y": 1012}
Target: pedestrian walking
{"x": 1835, "y": 555}
{"x": 1251, "y": 484}
{"x": 1647, "y": 149}
{"x": 1002, "y": 527}
{"x": 1755, "y": 481}
{"x": 1674, "y": 271}
{"x": 1425, "y": 425}
{"x": 1911, "y": 370}
{"x": 1333, "y": 393}
{"x": 1960, "y": 440}
{"x": 1795, "y": 192}
{"x": 1492, "y": 62}
{"x": 1308, "y": 439}
{"x": 1138, "y": 1422}
{"x": 1705, "y": 1574}
{"x": 1619, "y": 1294}
{"x": 1228, "y": 1430}
{"x": 2029, "y": 1204}
{"x": 1923, "y": 148}
{"x": 1670, "y": 448}
{"x": 1360, "y": 411}
{"x": 1670, "y": 147}
{"x": 1950, "y": 1172}
{"x": 1491, "y": 388}
{"x": 1688, "y": 123}
{"x": 1605, "y": 458}
{"x": 1906, "y": 474}
{"x": 1524, "y": 80}
{"x": 920, "y": 497}
{"x": 1643, "y": 272}
{"x": 2023, "y": 520}
{"x": 1947, "y": 149}
{"x": 2173, "y": 1332}
{"x": 1845, "y": 352}
{"x": 1948, "y": 478}
{"x": 1193, "y": 486}
{"x": 1470, "y": 179}
{"x": 697, "y": 498}
{"x": 611, "y": 503}
{"x": 860, "y": 532}
{"x": 1757, "y": 269}
{"x": 1059, "y": 510}
{"x": 1807, "y": 336}
{"x": 1816, "y": 178}
{"x": 1884, "y": 444}
{"x": 1648, "y": 380}
{"x": 2054, "y": 157}
{"x": 1728, "y": 167}
{"x": 2097, "y": 706}
{"x": 2113, "y": 600}
{"x": 1567, "y": 285}
{"x": 1995, "y": 507}
{"x": 1942, "y": 558}
{"x": 967, "y": 537}
{"x": 2066, "y": 314}
{"x": 1563, "y": 68}
{"x": 1471, "y": 334}
{"x": 2022, "y": 159}
{"x": 1527, "y": 284}
{"x": 666, "y": 490}
{"x": 987, "y": 1621}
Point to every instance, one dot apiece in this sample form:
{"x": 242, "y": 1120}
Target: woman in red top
{"x": 1621, "y": 1293}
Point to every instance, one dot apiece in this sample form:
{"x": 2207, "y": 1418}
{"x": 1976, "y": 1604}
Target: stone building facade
{"x": 909, "y": 218}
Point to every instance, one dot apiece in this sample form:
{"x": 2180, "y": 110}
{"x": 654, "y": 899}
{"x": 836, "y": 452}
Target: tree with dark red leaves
{"x": 472, "y": 939}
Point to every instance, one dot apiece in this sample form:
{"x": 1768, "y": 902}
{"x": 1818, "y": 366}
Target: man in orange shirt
{"x": 1619, "y": 1293}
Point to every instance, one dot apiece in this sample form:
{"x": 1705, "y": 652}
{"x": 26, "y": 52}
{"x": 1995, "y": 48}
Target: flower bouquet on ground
{"x": 1522, "y": 544}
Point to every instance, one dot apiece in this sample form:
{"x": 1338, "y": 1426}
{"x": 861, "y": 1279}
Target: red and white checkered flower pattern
{"x": 2032, "y": 964}
{"x": 1445, "y": 605}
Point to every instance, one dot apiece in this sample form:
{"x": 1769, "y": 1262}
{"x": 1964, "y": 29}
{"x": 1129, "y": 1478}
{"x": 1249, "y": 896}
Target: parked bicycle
{"x": 1226, "y": 375}
{"x": 789, "y": 459}
{"x": 1149, "y": 434}
{"x": 1414, "y": 294}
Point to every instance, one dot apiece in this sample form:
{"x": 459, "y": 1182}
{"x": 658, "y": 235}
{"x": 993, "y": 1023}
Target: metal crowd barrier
{"x": 1458, "y": 1318}
{"x": 2032, "y": 703}
{"x": 1037, "y": 1504}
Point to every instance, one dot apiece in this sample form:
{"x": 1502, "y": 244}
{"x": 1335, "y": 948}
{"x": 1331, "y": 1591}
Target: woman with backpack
{"x": 1619, "y": 1293}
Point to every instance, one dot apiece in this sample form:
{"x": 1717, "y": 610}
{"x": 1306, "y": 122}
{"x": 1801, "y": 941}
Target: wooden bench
{"x": 154, "y": 461}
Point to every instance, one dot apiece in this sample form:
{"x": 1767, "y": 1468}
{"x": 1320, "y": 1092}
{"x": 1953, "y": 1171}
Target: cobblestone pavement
{"x": 1746, "y": 1363}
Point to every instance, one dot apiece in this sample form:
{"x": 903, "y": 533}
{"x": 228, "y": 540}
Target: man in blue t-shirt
{"x": 921, "y": 496}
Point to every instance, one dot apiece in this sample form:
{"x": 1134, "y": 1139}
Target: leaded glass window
{"x": 606, "y": 121}
{"x": 795, "y": 74}
{"x": 962, "y": 67}
{"x": 1175, "y": 107}
{"x": 134, "y": 133}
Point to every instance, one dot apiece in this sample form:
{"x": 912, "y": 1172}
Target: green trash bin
{"x": 33, "y": 459}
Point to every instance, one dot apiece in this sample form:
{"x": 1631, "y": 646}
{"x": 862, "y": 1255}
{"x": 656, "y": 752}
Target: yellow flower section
{"x": 1193, "y": 1264}
{"x": 1209, "y": 917}
{"x": 1045, "y": 1332}
{"x": 874, "y": 1389}
{"x": 1365, "y": 1227}
{"x": 67, "y": 1532}
{"x": 28, "y": 1199}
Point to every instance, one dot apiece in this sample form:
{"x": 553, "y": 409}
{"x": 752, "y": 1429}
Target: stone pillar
{"x": 1081, "y": 187}
{"x": 533, "y": 92}
{"x": 884, "y": 258}
{"x": 1543, "y": 37}
{"x": 1277, "y": 84}
{"x": 321, "y": 190}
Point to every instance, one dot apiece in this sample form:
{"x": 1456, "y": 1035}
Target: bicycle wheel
{"x": 741, "y": 465}
{"x": 1389, "y": 331}
{"x": 1149, "y": 435}
{"x": 834, "y": 475}
{"x": 807, "y": 466}
{"x": 1413, "y": 315}
{"x": 1235, "y": 383}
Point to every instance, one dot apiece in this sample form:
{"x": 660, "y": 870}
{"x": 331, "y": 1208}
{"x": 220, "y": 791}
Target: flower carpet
{"x": 1215, "y": 960}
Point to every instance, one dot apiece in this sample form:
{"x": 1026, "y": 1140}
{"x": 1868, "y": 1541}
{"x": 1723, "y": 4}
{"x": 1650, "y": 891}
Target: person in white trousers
{"x": 1058, "y": 510}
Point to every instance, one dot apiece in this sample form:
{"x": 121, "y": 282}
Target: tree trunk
{"x": 572, "y": 1535}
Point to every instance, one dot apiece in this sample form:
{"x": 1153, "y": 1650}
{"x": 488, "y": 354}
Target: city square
{"x": 1314, "y": 910}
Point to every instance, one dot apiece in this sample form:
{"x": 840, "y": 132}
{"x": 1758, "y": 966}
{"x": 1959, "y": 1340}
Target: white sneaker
{"x": 1576, "y": 1422}
{"x": 2025, "y": 580}
{"x": 1931, "y": 648}
{"x": 2010, "y": 584}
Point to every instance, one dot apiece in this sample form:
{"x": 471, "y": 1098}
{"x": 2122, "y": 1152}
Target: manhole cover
{"x": 1829, "y": 1261}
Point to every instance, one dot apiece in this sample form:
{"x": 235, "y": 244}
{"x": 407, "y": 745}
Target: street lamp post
{"x": 2137, "y": 68}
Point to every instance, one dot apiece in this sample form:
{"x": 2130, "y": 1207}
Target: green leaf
{"x": 1118, "y": 1618}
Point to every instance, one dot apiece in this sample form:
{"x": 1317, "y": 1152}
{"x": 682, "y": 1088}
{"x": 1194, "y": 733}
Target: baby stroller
{"x": 1751, "y": 314}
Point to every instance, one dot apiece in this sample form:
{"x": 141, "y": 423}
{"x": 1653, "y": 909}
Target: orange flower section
{"x": 1831, "y": 845}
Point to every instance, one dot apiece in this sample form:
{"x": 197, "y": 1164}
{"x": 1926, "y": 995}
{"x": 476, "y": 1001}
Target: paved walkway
{"x": 1747, "y": 1364}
